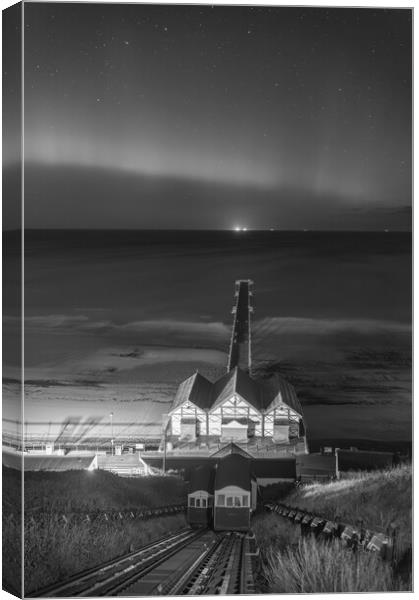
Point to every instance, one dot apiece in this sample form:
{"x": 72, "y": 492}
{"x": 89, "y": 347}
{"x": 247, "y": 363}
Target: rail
{"x": 189, "y": 562}
{"x": 109, "y": 576}
{"x": 225, "y": 567}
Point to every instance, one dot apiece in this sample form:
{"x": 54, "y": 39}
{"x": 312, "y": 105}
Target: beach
{"x": 115, "y": 320}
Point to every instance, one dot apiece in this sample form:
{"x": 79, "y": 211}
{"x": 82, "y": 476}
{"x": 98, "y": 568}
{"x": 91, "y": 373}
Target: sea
{"x": 115, "y": 320}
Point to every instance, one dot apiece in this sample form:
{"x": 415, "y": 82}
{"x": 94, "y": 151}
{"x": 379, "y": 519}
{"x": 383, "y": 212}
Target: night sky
{"x": 213, "y": 117}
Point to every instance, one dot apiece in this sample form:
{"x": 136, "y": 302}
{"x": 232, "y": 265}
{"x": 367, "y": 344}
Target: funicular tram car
{"x": 201, "y": 497}
{"x": 235, "y": 493}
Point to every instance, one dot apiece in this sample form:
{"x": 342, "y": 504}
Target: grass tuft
{"x": 273, "y": 533}
{"x": 315, "y": 566}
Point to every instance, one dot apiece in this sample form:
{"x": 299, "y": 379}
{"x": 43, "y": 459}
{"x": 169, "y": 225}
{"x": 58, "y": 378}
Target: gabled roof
{"x": 230, "y": 448}
{"x": 277, "y": 391}
{"x": 238, "y": 382}
{"x": 262, "y": 394}
{"x": 223, "y": 388}
{"x": 196, "y": 389}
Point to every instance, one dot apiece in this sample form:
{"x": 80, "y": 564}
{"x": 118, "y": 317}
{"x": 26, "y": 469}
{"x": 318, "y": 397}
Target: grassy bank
{"x": 314, "y": 567}
{"x": 295, "y": 564}
{"x": 291, "y": 563}
{"x": 379, "y": 498}
{"x": 56, "y": 549}
{"x": 53, "y": 552}
{"x": 85, "y": 491}
{"x": 12, "y": 552}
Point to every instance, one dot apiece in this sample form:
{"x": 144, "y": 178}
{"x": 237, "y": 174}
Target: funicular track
{"x": 107, "y": 577}
{"x": 188, "y": 562}
{"x": 226, "y": 569}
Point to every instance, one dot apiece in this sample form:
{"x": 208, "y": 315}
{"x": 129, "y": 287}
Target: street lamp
{"x": 111, "y": 416}
{"x": 165, "y": 426}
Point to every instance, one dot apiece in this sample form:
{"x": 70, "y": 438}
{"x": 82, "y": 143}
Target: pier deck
{"x": 240, "y": 354}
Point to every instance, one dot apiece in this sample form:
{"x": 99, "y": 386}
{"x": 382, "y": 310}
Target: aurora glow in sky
{"x": 210, "y": 117}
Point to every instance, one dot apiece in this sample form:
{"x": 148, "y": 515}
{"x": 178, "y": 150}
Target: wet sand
{"x": 115, "y": 321}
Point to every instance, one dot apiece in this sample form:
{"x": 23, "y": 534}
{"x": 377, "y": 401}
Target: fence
{"x": 37, "y": 515}
{"x": 354, "y": 537}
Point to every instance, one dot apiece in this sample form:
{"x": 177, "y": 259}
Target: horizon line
{"x": 212, "y": 229}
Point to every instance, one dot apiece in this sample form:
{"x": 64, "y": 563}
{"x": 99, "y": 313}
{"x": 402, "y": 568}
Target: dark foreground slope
{"x": 293, "y": 564}
{"x": 61, "y": 540}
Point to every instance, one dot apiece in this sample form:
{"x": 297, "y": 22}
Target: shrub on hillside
{"x": 379, "y": 498}
{"x": 276, "y": 491}
{"x": 86, "y": 491}
{"x": 12, "y": 531}
{"x": 273, "y": 533}
{"x": 293, "y": 564}
{"x": 12, "y": 553}
{"x": 55, "y": 551}
{"x": 314, "y": 566}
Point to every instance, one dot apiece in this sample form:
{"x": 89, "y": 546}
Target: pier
{"x": 240, "y": 344}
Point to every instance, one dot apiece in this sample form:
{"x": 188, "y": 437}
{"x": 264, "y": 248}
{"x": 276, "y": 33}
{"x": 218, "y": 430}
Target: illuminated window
{"x": 237, "y": 501}
{"x": 229, "y": 500}
{"x": 198, "y": 503}
{"x": 220, "y": 500}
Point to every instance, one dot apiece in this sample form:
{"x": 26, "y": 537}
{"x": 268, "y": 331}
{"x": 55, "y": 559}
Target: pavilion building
{"x": 261, "y": 415}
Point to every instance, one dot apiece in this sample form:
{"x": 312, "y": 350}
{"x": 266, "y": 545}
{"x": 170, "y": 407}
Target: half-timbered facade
{"x": 189, "y": 414}
{"x": 236, "y": 412}
{"x": 283, "y": 417}
{"x": 236, "y": 408}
